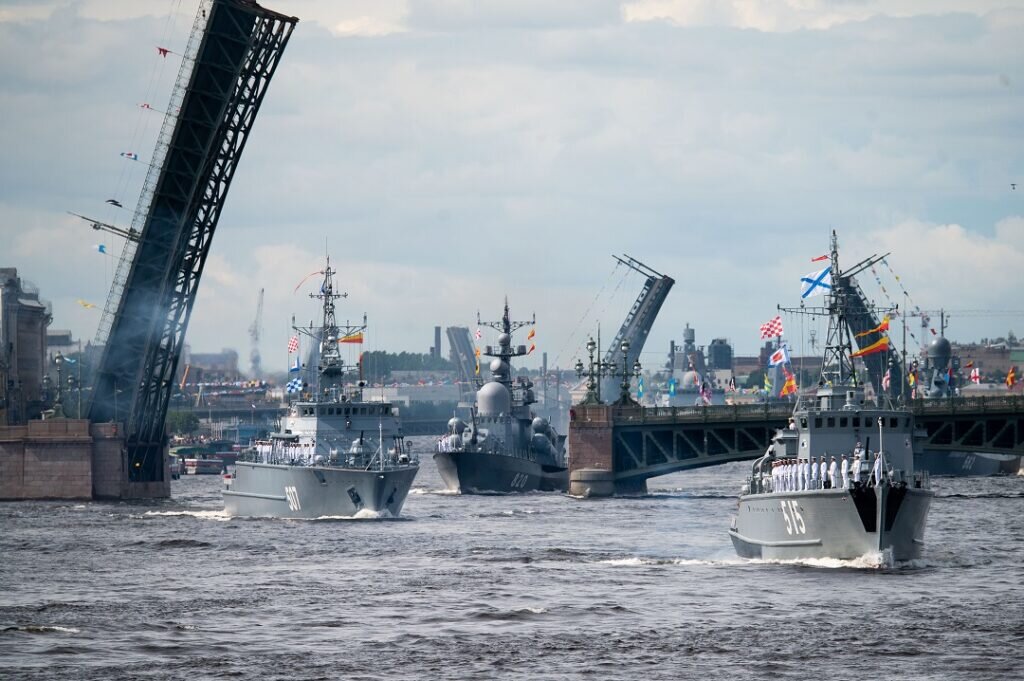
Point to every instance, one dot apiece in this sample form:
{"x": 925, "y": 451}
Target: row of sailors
{"x": 794, "y": 475}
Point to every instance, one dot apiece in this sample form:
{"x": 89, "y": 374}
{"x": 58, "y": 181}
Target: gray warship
{"x": 502, "y": 446}
{"x": 335, "y": 454}
{"x": 787, "y": 512}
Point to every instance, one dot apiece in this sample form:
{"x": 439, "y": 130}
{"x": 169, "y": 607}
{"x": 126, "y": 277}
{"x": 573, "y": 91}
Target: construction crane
{"x": 254, "y": 336}
{"x": 945, "y": 315}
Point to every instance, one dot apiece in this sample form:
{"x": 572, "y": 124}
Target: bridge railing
{"x": 708, "y": 414}
{"x": 973, "y": 404}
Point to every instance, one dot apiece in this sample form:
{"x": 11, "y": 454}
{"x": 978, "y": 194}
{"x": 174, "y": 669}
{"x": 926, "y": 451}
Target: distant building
{"x": 210, "y": 367}
{"x": 24, "y": 319}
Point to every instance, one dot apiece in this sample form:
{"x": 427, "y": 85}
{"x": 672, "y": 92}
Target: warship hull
{"x": 307, "y": 492}
{"x": 962, "y": 464}
{"x": 843, "y": 523}
{"x": 487, "y": 473}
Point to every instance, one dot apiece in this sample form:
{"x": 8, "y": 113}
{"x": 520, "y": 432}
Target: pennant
{"x": 912, "y": 378}
{"x": 305, "y": 278}
{"x": 100, "y": 248}
{"x": 477, "y": 372}
{"x": 295, "y": 367}
{"x": 87, "y": 305}
{"x": 969, "y": 364}
{"x": 672, "y": 387}
{"x": 533, "y": 346}
{"x": 1011, "y": 377}
{"x": 533, "y": 332}
{"x": 887, "y": 379}
{"x": 479, "y": 334}
{"x": 816, "y": 283}
{"x": 884, "y": 326}
{"x": 881, "y": 345}
{"x": 130, "y": 155}
{"x": 163, "y": 51}
{"x": 640, "y": 387}
{"x": 820, "y": 258}
{"x": 476, "y": 351}
{"x": 771, "y": 329}
{"x": 767, "y": 382}
{"x": 293, "y": 344}
{"x": 356, "y": 337}
{"x": 780, "y": 356}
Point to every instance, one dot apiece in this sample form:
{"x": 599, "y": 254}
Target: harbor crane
{"x": 254, "y": 336}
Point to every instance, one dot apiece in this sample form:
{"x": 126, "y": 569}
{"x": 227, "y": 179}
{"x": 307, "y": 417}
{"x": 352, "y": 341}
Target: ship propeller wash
{"x": 504, "y": 447}
{"x": 839, "y": 481}
{"x": 336, "y": 454}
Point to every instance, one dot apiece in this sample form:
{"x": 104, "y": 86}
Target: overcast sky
{"x": 451, "y": 152}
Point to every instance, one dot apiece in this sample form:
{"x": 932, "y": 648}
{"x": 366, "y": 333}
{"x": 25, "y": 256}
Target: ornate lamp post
{"x": 592, "y": 374}
{"x": 58, "y": 408}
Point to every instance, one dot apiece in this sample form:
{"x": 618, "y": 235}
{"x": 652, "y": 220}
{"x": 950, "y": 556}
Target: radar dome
{"x": 499, "y": 368}
{"x": 939, "y": 352}
{"x": 539, "y": 424}
{"x": 456, "y": 425}
{"x": 493, "y": 399}
{"x": 504, "y": 339}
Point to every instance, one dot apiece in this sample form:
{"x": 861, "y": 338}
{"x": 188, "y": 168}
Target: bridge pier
{"x": 591, "y": 461}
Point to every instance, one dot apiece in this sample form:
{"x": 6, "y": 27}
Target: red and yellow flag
{"x": 1011, "y": 377}
{"x": 533, "y": 346}
{"x": 533, "y": 332}
{"x": 356, "y": 337}
{"x": 884, "y": 326}
{"x": 789, "y": 387}
{"x": 880, "y": 345}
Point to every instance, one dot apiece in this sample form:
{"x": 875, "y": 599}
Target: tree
{"x": 182, "y": 422}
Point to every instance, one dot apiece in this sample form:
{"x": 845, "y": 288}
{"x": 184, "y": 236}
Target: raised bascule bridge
{"x": 232, "y": 53}
{"x": 615, "y": 448}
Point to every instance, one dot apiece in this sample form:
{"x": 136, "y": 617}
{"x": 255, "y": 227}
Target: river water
{"x": 517, "y": 587}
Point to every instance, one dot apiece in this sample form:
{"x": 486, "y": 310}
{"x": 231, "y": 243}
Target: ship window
{"x": 346, "y": 411}
{"x": 893, "y": 422}
{"x": 803, "y": 421}
{"x": 817, "y": 422}
{"x": 831, "y": 421}
{"x": 842, "y": 422}
{"x": 387, "y": 410}
{"x": 856, "y": 422}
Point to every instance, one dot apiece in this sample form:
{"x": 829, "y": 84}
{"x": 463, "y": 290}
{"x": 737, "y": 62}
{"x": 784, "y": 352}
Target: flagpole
{"x": 903, "y": 369}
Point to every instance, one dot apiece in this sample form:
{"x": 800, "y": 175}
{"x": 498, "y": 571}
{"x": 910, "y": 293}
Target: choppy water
{"x": 536, "y": 586}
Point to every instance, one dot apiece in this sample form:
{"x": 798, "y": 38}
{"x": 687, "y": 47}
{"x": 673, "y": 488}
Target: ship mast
{"x": 331, "y": 367}
{"x": 837, "y": 366}
{"x": 505, "y": 350}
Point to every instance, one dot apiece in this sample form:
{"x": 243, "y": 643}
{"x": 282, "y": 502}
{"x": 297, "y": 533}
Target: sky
{"x": 450, "y": 153}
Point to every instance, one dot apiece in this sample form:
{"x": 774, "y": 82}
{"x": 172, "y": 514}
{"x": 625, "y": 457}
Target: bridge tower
{"x": 232, "y": 53}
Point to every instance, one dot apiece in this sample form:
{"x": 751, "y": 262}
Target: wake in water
{"x": 219, "y": 516}
{"x": 869, "y": 561}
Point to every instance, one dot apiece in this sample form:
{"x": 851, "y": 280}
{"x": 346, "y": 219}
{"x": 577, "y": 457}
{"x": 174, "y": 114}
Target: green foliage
{"x": 182, "y": 423}
{"x": 378, "y": 365}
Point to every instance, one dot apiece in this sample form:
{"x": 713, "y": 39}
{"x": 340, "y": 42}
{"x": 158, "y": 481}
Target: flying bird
{"x": 114, "y": 202}
{"x": 1013, "y": 186}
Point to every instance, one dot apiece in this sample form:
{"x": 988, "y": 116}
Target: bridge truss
{"x": 232, "y": 54}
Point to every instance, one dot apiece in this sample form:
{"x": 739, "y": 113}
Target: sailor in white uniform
{"x": 775, "y": 476}
{"x": 823, "y": 472}
{"x": 806, "y": 468}
{"x": 844, "y": 471}
{"x": 856, "y": 468}
{"x": 833, "y": 477}
{"x": 813, "y": 465}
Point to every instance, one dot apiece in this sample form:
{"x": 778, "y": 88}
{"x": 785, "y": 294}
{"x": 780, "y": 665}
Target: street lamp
{"x": 58, "y": 408}
{"x": 591, "y": 373}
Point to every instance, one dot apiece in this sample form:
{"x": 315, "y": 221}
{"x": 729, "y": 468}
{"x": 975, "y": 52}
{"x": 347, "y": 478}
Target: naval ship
{"x": 335, "y": 454}
{"x": 786, "y": 514}
{"x": 503, "y": 447}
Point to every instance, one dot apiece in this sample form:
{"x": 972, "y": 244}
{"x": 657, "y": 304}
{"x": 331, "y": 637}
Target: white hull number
{"x": 794, "y": 520}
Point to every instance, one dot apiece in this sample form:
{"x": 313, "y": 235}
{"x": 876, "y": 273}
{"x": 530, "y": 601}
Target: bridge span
{"x": 614, "y": 449}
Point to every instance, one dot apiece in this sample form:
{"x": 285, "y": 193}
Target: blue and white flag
{"x": 640, "y": 387}
{"x": 816, "y": 283}
{"x": 780, "y": 356}
{"x": 295, "y": 367}
{"x": 294, "y": 385}
{"x": 672, "y": 387}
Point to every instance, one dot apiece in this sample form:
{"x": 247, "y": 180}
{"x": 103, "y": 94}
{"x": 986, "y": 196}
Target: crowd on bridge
{"x": 796, "y": 475}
